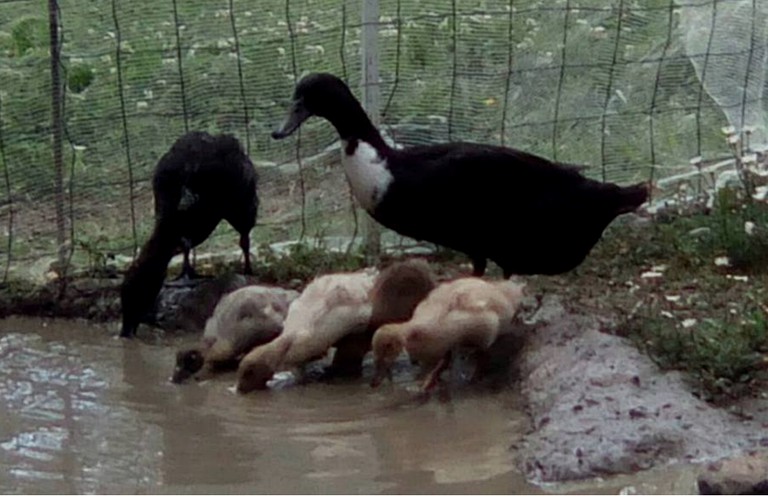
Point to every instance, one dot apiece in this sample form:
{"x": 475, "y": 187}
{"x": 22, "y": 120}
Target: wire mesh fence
{"x": 632, "y": 89}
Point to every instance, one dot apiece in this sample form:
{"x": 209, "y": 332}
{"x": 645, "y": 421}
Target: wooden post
{"x": 371, "y": 91}
{"x": 58, "y": 160}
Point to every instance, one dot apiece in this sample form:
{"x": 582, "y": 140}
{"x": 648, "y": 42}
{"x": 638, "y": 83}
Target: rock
{"x": 744, "y": 475}
{"x": 601, "y": 407}
{"x": 187, "y": 308}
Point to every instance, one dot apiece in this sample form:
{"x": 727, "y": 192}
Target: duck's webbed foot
{"x": 188, "y": 274}
{"x": 348, "y": 357}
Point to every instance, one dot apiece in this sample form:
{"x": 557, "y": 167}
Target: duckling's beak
{"x": 297, "y": 115}
{"x": 179, "y": 375}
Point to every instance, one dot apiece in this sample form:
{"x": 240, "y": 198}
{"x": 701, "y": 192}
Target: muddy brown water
{"x": 84, "y": 412}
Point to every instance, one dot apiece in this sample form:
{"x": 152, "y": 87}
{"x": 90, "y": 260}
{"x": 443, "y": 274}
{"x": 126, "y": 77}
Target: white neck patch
{"x": 367, "y": 173}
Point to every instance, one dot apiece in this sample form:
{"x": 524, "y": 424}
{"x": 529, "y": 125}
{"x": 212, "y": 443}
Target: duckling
{"x": 474, "y": 198}
{"x": 201, "y": 180}
{"x": 467, "y": 312}
{"x": 243, "y": 319}
{"x": 330, "y": 307}
{"x": 396, "y": 292}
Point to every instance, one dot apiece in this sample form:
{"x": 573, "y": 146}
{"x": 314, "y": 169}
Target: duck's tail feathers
{"x": 632, "y": 197}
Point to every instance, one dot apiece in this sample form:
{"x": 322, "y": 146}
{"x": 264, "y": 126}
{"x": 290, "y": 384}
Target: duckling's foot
{"x": 433, "y": 377}
{"x": 443, "y": 393}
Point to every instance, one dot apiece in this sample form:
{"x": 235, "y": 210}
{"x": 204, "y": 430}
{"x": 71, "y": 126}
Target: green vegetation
{"x": 695, "y": 316}
{"x": 140, "y": 38}
{"x": 690, "y": 290}
{"x": 303, "y": 261}
{"x": 726, "y": 353}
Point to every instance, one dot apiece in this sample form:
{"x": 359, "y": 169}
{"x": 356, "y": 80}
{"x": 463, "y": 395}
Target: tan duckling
{"x": 396, "y": 292}
{"x": 467, "y": 312}
{"x": 243, "y": 319}
{"x": 330, "y": 307}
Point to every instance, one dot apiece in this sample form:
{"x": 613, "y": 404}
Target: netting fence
{"x": 93, "y": 93}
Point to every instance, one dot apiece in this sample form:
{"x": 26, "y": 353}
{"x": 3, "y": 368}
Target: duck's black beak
{"x": 297, "y": 115}
{"x": 128, "y": 330}
{"x": 180, "y": 375}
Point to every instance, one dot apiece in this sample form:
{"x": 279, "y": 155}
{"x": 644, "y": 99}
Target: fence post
{"x": 56, "y": 126}
{"x": 371, "y": 90}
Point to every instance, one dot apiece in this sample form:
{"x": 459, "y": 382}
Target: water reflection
{"x": 83, "y": 412}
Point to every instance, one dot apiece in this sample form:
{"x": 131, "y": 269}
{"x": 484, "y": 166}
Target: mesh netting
{"x": 615, "y": 85}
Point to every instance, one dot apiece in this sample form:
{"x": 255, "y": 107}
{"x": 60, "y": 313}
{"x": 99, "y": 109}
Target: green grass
{"x": 726, "y": 354}
{"x": 303, "y": 262}
{"x": 693, "y": 315}
{"x": 616, "y": 144}
{"x": 150, "y": 78}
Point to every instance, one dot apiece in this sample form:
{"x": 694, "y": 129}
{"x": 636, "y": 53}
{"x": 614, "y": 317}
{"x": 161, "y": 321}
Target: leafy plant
{"x": 98, "y": 257}
{"x": 303, "y": 261}
{"x": 724, "y": 352}
{"x": 29, "y": 33}
{"x": 79, "y": 77}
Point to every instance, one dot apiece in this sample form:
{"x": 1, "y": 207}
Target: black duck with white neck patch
{"x": 524, "y": 212}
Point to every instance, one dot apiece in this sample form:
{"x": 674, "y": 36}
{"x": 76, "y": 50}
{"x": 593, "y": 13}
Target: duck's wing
{"x": 473, "y": 188}
{"x": 462, "y": 168}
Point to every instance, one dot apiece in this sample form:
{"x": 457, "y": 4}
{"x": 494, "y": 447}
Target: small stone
{"x": 741, "y": 475}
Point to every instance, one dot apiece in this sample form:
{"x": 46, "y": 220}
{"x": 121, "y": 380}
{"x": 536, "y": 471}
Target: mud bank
{"x": 597, "y": 406}
{"x": 179, "y": 308}
{"x": 600, "y": 407}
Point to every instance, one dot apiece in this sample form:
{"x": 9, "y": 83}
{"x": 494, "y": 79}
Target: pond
{"x": 84, "y": 412}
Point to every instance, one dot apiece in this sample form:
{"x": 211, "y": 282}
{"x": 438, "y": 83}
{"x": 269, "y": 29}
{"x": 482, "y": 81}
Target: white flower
{"x": 667, "y": 314}
{"x": 696, "y": 161}
{"x": 749, "y": 227}
{"x": 672, "y": 298}
{"x": 687, "y": 323}
{"x": 736, "y": 277}
{"x": 728, "y": 130}
{"x": 651, "y": 275}
{"x": 316, "y": 49}
{"x": 761, "y": 192}
{"x": 733, "y": 139}
{"x": 722, "y": 261}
